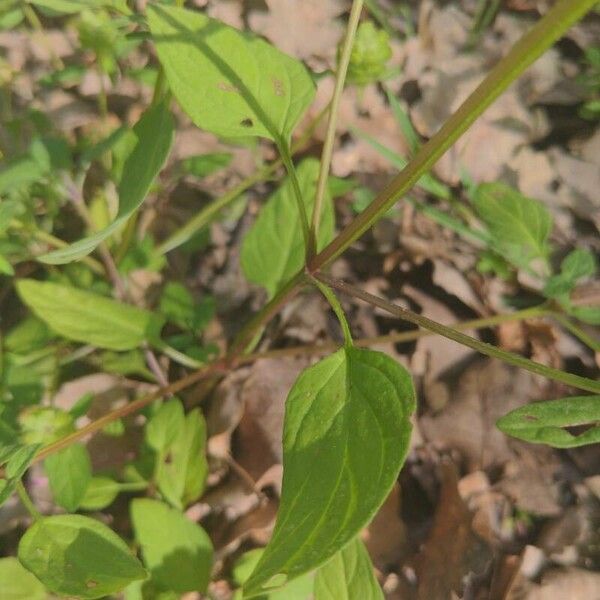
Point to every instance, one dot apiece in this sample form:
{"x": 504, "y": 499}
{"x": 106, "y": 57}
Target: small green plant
{"x": 347, "y": 418}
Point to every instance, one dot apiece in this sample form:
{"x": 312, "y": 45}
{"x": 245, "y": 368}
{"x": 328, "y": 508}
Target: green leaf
{"x": 346, "y": 434}
{"x": 17, "y": 459}
{"x": 273, "y": 249}
{"x": 87, "y": 317}
{"x": 587, "y": 314}
{"x": 100, "y": 493}
{"x": 154, "y": 135}
{"x": 179, "y": 306}
{"x": 16, "y": 583}
{"x": 298, "y": 589}
{"x": 69, "y": 472}
{"x": 205, "y": 164}
{"x": 165, "y": 425}
{"x": 577, "y": 265}
{"x": 63, "y": 7}
{"x": 229, "y": 82}
{"x": 45, "y": 424}
{"x": 83, "y": 404}
{"x": 370, "y": 52}
{"x": 5, "y": 267}
{"x": 77, "y": 556}
{"x": 177, "y": 551}
{"x": 348, "y": 575}
{"x": 546, "y": 422}
{"x": 182, "y": 470}
{"x": 520, "y": 226}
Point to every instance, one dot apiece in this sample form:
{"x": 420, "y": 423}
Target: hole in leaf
{"x": 531, "y": 418}
{"x": 577, "y": 430}
{"x": 246, "y": 123}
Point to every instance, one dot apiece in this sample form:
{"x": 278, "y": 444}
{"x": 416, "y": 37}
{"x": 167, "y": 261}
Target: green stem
{"x": 538, "y": 39}
{"x": 327, "y": 152}
{"x": 54, "y": 242}
{"x": 576, "y": 381}
{"x": 178, "y": 357}
{"x": 286, "y": 157}
{"x": 581, "y": 335}
{"x": 133, "y": 486}
{"x": 249, "y": 331}
{"x": 27, "y": 502}
{"x": 206, "y": 215}
{"x": 337, "y": 309}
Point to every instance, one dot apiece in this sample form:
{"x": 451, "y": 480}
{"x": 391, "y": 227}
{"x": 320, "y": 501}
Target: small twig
{"x": 575, "y": 381}
{"x": 327, "y": 152}
{"x": 27, "y": 501}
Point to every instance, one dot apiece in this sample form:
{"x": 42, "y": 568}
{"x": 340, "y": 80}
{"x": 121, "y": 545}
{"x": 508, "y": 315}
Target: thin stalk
{"x": 286, "y": 157}
{"x": 327, "y": 152}
{"x": 27, "y": 501}
{"x": 36, "y": 24}
{"x": 581, "y": 335}
{"x": 180, "y": 357}
{"x": 128, "y": 409}
{"x": 576, "y": 381}
{"x": 337, "y": 309}
{"x": 536, "y": 41}
{"x": 206, "y": 215}
{"x": 54, "y": 242}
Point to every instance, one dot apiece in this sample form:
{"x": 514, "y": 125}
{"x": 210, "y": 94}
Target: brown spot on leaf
{"x": 278, "y": 87}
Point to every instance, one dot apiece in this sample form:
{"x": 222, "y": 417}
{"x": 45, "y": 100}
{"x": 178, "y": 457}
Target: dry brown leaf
{"x": 258, "y": 440}
{"x": 306, "y": 29}
{"x": 452, "y": 550}
{"x": 479, "y": 396}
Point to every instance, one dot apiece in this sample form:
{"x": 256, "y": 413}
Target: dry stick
{"x": 331, "y": 126}
{"x": 222, "y": 367}
{"x": 576, "y": 381}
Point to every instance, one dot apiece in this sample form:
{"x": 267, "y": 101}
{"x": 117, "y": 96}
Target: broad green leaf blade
{"x": 77, "y": 556}
{"x": 154, "y": 136}
{"x": 229, "y": 82}
{"x": 100, "y": 493}
{"x": 273, "y": 249}
{"x": 17, "y": 583}
{"x": 87, "y": 317}
{"x": 165, "y": 425}
{"x": 346, "y": 434}
{"x": 519, "y": 226}
{"x": 183, "y": 468}
{"x": 177, "y": 552}
{"x": 17, "y": 459}
{"x": 546, "y": 422}
{"x": 69, "y": 473}
{"x": 348, "y": 575}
